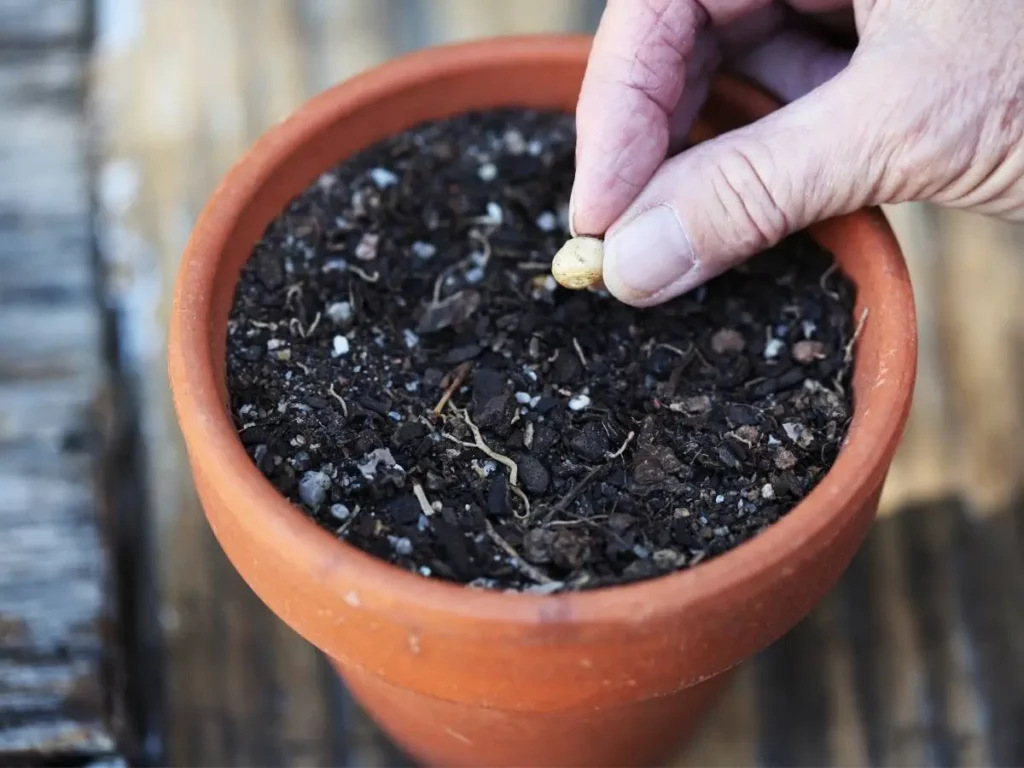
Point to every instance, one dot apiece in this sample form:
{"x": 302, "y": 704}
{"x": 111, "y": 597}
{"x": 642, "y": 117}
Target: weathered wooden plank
{"x": 42, "y": 154}
{"x": 35, "y": 22}
{"x": 920, "y": 470}
{"x": 240, "y": 687}
{"x": 989, "y": 577}
{"x": 55, "y": 611}
{"x": 340, "y": 39}
{"x": 728, "y": 736}
{"x": 952, "y": 718}
{"x": 878, "y": 618}
{"x": 981, "y": 323}
{"x": 48, "y": 341}
{"x": 455, "y": 20}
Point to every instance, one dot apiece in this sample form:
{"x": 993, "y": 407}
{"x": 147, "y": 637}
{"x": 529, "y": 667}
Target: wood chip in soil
{"x": 404, "y": 369}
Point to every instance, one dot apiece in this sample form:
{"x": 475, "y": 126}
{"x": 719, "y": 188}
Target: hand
{"x": 930, "y": 106}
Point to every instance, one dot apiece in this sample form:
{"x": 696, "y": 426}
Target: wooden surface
{"x": 57, "y": 658}
{"x": 918, "y": 657}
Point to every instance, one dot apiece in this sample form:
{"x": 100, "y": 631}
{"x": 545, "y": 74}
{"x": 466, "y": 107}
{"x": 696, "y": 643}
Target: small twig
{"x": 364, "y": 275}
{"x": 438, "y": 283}
{"x": 336, "y": 396}
{"x": 314, "y": 324}
{"x": 534, "y": 266}
{"x": 295, "y": 326}
{"x": 421, "y": 497}
{"x": 258, "y": 324}
{"x": 622, "y": 448}
{"x": 579, "y": 352}
{"x": 534, "y": 573}
{"x": 526, "y": 503}
{"x": 824, "y": 278}
{"x": 347, "y": 524}
{"x": 458, "y": 379}
{"x": 700, "y": 356}
{"x": 484, "y": 241}
{"x": 575, "y": 491}
{"x": 677, "y": 350}
{"x": 848, "y": 352}
{"x": 293, "y": 290}
{"x": 305, "y": 368}
{"x": 577, "y": 521}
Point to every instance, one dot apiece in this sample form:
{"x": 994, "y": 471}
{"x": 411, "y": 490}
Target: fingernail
{"x": 649, "y": 253}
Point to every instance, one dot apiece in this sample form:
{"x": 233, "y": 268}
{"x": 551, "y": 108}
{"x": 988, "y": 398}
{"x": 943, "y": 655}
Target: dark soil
{"x": 403, "y": 367}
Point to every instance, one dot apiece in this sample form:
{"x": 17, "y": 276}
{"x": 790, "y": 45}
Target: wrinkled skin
{"x": 928, "y": 106}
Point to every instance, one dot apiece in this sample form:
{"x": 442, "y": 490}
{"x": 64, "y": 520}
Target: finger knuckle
{"x": 747, "y": 204}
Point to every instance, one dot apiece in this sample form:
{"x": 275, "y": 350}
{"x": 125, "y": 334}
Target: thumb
{"x": 732, "y": 196}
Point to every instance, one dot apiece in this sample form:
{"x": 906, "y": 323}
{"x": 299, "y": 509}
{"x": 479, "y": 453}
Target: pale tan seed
{"x": 577, "y": 265}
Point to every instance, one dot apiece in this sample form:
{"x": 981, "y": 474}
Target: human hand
{"x": 930, "y": 106}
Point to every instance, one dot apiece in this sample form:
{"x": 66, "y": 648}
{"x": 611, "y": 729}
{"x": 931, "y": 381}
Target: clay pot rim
{"x": 212, "y": 440}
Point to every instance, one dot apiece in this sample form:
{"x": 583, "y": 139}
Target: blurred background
{"x": 126, "y": 638}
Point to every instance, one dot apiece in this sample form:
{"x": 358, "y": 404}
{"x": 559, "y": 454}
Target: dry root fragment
{"x": 577, "y": 265}
{"x": 421, "y": 497}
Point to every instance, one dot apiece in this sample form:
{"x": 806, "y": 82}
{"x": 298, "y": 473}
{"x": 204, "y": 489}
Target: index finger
{"x": 633, "y": 83}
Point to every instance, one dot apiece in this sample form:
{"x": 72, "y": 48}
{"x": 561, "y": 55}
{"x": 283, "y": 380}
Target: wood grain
{"x": 55, "y": 578}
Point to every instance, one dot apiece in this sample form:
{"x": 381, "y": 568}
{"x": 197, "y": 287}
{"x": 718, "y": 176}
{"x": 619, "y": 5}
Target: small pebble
{"x": 494, "y": 215}
{"x": 578, "y": 263}
{"x": 313, "y": 488}
{"x": 727, "y": 340}
{"x": 767, "y": 491}
{"x": 793, "y": 430}
{"x": 423, "y": 250}
{"x": 784, "y": 459}
{"x": 773, "y": 349}
{"x": 514, "y": 142}
{"x": 487, "y": 172}
{"x": 806, "y": 352}
{"x": 367, "y": 248}
{"x": 340, "y": 346}
{"x": 401, "y": 545}
{"x": 411, "y": 338}
{"x": 523, "y": 398}
{"x": 340, "y": 511}
{"x": 383, "y": 178}
{"x": 340, "y": 313}
{"x": 579, "y": 402}
{"x": 547, "y": 222}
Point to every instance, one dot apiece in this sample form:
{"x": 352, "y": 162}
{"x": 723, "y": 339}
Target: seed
{"x": 577, "y": 264}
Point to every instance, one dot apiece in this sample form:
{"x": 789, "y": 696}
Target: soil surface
{"x": 403, "y": 367}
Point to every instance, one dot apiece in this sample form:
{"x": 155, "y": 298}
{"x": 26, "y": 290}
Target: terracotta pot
{"x": 464, "y": 677}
